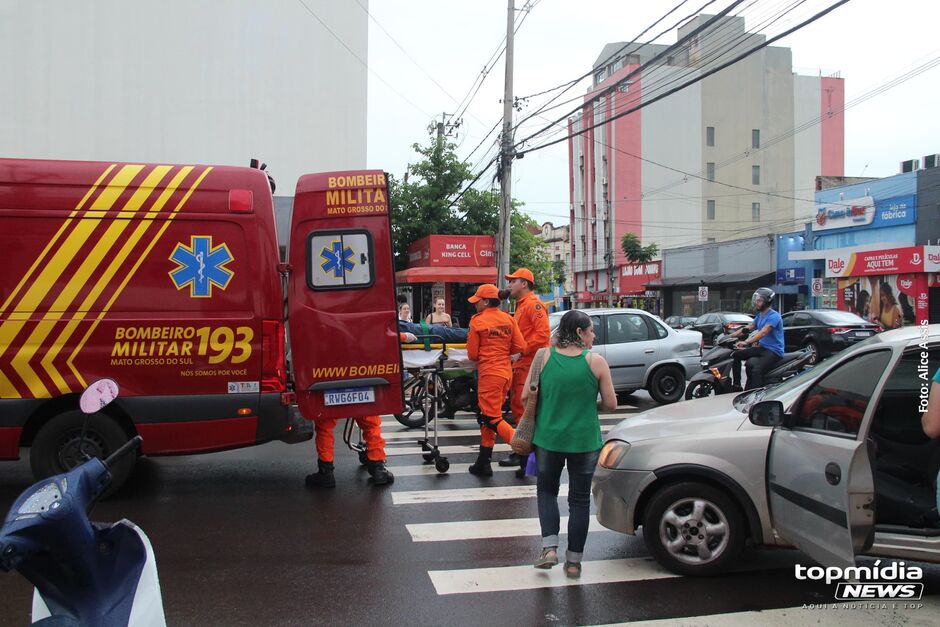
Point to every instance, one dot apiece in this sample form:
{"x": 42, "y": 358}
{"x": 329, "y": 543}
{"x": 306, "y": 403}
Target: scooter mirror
{"x": 98, "y": 395}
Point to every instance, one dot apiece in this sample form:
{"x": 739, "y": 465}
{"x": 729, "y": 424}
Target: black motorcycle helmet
{"x": 765, "y": 294}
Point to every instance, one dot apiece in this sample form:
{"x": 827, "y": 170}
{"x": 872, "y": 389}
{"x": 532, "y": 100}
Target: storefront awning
{"x": 712, "y": 279}
{"x": 438, "y": 274}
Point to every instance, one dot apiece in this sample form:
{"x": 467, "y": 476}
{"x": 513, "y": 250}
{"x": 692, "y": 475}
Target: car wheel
{"x": 693, "y": 528}
{"x": 667, "y": 384}
{"x": 58, "y": 446}
{"x": 814, "y": 348}
{"x": 699, "y": 389}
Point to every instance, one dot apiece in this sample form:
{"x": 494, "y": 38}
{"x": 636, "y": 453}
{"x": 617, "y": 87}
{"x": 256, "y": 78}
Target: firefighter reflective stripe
{"x": 158, "y": 206}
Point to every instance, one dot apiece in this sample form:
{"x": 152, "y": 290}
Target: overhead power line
{"x": 698, "y": 78}
{"x": 358, "y": 58}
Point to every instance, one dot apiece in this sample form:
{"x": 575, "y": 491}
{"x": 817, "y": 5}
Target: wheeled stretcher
{"x": 431, "y": 363}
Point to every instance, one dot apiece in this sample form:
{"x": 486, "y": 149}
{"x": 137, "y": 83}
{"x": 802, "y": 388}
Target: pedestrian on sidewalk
{"x": 492, "y": 338}
{"x": 568, "y": 432}
{"x": 532, "y": 319}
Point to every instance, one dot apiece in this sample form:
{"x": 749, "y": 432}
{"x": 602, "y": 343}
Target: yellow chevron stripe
{"x": 55, "y": 238}
{"x": 140, "y": 259}
{"x": 46, "y": 280}
{"x": 114, "y": 232}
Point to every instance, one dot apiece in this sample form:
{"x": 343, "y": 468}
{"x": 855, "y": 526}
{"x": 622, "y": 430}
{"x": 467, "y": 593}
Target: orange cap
{"x": 487, "y": 290}
{"x": 522, "y": 273}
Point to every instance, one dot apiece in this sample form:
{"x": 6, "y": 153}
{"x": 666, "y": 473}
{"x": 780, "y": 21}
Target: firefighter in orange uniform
{"x": 371, "y": 427}
{"x": 492, "y": 338}
{"x": 532, "y": 319}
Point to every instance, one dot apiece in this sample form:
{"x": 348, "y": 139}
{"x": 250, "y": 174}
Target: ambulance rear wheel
{"x": 55, "y": 449}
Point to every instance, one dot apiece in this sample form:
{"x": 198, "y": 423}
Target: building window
{"x": 710, "y": 211}
{"x": 755, "y": 138}
{"x": 709, "y": 135}
{"x": 710, "y": 170}
{"x": 755, "y": 212}
{"x": 755, "y": 174}
{"x": 709, "y": 240}
{"x": 632, "y": 59}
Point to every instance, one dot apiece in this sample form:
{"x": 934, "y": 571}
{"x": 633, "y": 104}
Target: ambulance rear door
{"x": 342, "y": 316}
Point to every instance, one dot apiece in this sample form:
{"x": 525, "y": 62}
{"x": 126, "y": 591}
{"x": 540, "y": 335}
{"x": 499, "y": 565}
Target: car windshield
{"x": 738, "y": 318}
{"x": 840, "y": 317}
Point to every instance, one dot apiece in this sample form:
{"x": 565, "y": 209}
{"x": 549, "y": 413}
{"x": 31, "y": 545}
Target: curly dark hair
{"x": 566, "y": 334}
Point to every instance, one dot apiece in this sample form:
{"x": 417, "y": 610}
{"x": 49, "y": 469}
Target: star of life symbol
{"x": 337, "y": 259}
{"x": 201, "y": 266}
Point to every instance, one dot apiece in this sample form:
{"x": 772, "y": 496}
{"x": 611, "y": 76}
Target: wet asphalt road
{"x": 240, "y": 541}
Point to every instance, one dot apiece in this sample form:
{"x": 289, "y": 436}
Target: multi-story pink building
{"x": 735, "y": 155}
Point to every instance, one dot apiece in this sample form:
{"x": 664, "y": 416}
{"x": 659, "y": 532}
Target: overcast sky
{"x": 867, "y": 41}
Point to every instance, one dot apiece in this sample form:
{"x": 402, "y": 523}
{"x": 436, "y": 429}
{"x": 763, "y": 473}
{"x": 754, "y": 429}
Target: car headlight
{"x": 704, "y": 363}
{"x": 612, "y": 453}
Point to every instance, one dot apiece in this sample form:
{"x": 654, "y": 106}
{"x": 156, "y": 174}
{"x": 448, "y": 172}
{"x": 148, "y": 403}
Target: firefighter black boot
{"x": 323, "y": 478}
{"x": 380, "y": 474}
{"x": 481, "y": 467}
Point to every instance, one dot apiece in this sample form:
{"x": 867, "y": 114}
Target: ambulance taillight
{"x": 273, "y": 369}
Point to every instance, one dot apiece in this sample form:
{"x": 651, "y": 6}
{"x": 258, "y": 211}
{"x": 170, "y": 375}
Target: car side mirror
{"x": 767, "y": 414}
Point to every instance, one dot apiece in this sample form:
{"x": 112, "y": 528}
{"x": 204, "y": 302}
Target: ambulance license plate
{"x": 349, "y": 396}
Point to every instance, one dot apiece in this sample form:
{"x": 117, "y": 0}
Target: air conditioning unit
{"x": 604, "y": 180}
{"x": 910, "y": 165}
{"x": 931, "y": 161}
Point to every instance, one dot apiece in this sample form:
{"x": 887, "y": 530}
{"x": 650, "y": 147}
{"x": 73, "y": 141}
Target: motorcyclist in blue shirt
{"x": 763, "y": 349}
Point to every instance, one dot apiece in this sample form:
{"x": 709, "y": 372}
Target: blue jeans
{"x": 580, "y": 473}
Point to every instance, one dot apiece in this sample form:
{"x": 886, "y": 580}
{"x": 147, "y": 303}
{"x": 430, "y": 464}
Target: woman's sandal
{"x": 573, "y": 570}
{"x": 547, "y": 559}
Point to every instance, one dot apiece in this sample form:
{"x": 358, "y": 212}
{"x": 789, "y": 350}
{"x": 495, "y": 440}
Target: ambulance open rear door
{"x": 342, "y": 311}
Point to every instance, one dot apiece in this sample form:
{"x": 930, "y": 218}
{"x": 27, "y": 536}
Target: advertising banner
{"x": 876, "y": 262}
{"x": 889, "y": 300}
{"x": 865, "y": 212}
{"x": 453, "y": 251}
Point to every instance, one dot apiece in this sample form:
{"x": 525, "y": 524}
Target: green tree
{"x": 559, "y": 272}
{"x": 420, "y": 205}
{"x": 635, "y": 252}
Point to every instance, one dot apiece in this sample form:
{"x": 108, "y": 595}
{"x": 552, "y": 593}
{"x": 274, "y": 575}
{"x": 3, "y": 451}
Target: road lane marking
{"x": 486, "y": 529}
{"x": 463, "y": 495}
{"x": 507, "y": 578}
{"x": 388, "y": 421}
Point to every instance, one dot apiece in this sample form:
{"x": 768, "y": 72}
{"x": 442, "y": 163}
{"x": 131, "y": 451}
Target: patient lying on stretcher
{"x": 447, "y": 334}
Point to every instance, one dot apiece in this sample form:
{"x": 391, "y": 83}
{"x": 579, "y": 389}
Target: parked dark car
{"x": 711, "y": 325}
{"x": 825, "y": 331}
{"x": 680, "y": 322}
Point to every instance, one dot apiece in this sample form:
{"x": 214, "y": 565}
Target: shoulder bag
{"x": 521, "y": 443}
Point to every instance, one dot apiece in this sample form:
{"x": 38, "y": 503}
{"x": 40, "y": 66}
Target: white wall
{"x": 673, "y": 209}
{"x": 205, "y": 81}
{"x": 807, "y": 144}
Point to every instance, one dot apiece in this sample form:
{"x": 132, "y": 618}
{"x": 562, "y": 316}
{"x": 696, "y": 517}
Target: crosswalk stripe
{"x": 485, "y": 529}
{"x": 448, "y": 433}
{"x": 444, "y": 450}
{"x": 797, "y": 616}
{"x": 457, "y": 495}
{"x": 427, "y": 470}
{"x": 508, "y": 578}
{"x": 471, "y": 420}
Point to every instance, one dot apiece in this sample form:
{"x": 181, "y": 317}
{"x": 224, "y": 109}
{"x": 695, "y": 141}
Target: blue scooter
{"x": 84, "y": 573}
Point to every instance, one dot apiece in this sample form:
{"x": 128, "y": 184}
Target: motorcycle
{"x": 84, "y": 573}
{"x": 716, "y": 378}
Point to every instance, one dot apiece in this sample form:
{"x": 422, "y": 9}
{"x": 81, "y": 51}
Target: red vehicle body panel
{"x": 163, "y": 277}
{"x": 343, "y": 321}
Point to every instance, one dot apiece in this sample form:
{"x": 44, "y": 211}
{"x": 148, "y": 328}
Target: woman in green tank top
{"x": 568, "y": 432}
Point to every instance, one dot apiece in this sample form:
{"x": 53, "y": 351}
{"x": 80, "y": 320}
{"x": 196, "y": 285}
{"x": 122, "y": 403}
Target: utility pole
{"x": 505, "y": 158}
{"x": 447, "y": 127}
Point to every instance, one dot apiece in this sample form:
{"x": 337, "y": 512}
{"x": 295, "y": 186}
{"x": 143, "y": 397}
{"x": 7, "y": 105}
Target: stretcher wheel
{"x": 441, "y": 464}
{"x": 363, "y": 458}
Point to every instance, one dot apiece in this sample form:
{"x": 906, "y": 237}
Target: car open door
{"x": 341, "y": 299}
{"x": 819, "y": 472}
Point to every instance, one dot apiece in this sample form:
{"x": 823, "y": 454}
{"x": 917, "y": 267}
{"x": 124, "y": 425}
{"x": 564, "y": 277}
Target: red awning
{"x": 438, "y": 274}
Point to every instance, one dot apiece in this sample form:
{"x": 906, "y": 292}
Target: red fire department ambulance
{"x": 167, "y": 279}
